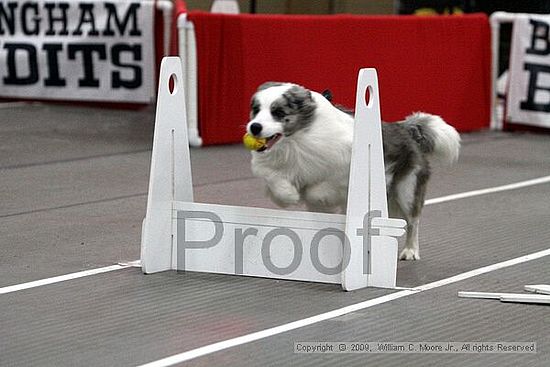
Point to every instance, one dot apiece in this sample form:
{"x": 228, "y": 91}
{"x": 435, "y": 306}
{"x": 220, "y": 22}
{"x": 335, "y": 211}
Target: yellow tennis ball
{"x": 253, "y": 143}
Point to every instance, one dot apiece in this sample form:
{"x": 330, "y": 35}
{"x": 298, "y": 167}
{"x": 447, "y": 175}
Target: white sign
{"x": 529, "y": 89}
{"x": 72, "y": 50}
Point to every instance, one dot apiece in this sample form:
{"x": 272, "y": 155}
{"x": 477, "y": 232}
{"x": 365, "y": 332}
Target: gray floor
{"x": 73, "y": 191}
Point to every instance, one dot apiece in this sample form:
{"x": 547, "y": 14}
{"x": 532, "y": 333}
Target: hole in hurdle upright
{"x": 355, "y": 250}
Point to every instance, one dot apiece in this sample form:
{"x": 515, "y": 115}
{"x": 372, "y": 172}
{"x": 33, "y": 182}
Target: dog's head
{"x": 279, "y": 110}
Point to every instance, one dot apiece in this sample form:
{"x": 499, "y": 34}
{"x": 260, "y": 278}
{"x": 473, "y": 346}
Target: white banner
{"x": 528, "y": 99}
{"x": 77, "y": 50}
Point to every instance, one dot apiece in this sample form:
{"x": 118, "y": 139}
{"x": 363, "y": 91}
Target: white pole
{"x": 166, "y": 7}
{"x": 225, "y": 7}
{"x": 188, "y": 55}
{"x": 496, "y": 19}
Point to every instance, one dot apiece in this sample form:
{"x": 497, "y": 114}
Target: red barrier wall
{"x": 437, "y": 64}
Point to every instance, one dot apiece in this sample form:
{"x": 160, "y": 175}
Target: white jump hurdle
{"x": 355, "y": 250}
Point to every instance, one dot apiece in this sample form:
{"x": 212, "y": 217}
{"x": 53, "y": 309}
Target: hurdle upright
{"x": 355, "y": 250}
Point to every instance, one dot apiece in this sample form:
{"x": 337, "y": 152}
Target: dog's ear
{"x": 268, "y": 85}
{"x": 327, "y": 94}
{"x": 298, "y": 97}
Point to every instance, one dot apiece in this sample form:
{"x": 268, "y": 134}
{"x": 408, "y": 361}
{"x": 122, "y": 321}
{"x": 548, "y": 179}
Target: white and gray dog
{"x": 308, "y": 152}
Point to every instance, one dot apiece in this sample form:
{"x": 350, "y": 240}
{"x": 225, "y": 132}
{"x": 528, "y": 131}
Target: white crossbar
{"x": 538, "y": 288}
{"x": 508, "y": 297}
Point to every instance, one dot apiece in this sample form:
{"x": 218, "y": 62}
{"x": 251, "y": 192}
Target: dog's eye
{"x": 278, "y": 113}
{"x": 254, "y": 107}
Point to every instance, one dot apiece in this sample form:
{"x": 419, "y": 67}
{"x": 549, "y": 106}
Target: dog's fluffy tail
{"x": 435, "y": 137}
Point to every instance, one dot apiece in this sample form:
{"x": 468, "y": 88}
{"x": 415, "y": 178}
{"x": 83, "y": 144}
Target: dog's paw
{"x": 284, "y": 195}
{"x": 322, "y": 197}
{"x": 409, "y": 254}
{"x": 286, "y": 201}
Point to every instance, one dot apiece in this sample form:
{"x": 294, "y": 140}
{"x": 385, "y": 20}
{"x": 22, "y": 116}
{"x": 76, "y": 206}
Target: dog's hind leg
{"x": 409, "y": 195}
{"x": 412, "y": 248}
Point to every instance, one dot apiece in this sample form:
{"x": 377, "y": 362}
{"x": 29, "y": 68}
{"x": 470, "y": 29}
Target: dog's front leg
{"x": 322, "y": 197}
{"x": 282, "y": 192}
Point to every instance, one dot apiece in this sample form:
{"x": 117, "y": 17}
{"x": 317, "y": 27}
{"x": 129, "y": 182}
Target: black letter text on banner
{"x": 12, "y": 77}
{"x": 539, "y": 37}
{"x": 530, "y": 104}
{"x": 135, "y": 51}
{"x": 88, "y": 50}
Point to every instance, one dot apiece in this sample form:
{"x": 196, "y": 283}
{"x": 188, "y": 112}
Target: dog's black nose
{"x": 255, "y": 128}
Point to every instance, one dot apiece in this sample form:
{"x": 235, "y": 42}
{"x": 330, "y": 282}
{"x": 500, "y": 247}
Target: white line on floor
{"x": 61, "y": 278}
{"x": 490, "y": 190}
{"x": 229, "y": 343}
{"x": 37, "y": 283}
